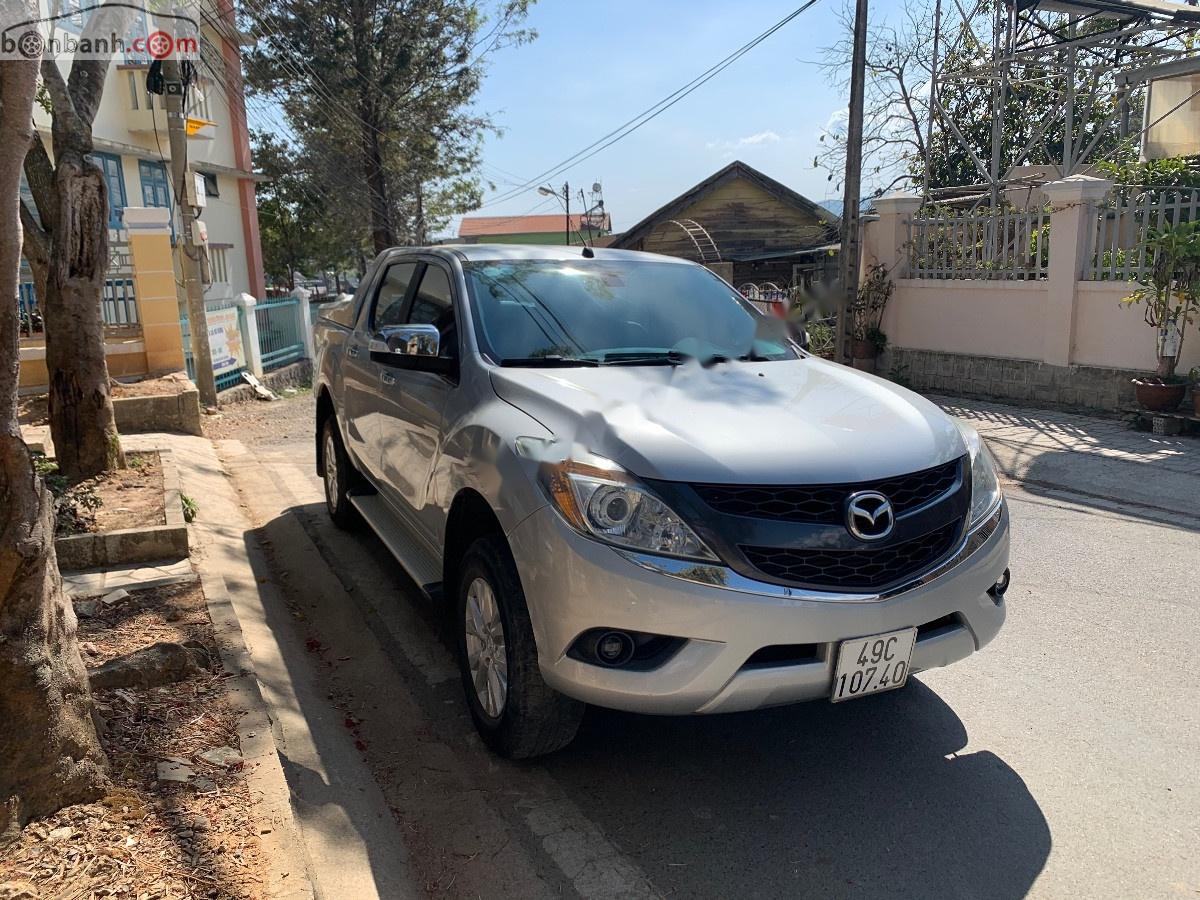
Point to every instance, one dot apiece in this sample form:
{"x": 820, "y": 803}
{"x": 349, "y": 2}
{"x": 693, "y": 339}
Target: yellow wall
{"x": 125, "y": 359}
{"x": 157, "y": 299}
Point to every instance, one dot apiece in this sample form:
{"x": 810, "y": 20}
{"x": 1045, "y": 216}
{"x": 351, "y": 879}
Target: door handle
{"x": 352, "y": 351}
{"x": 388, "y": 377}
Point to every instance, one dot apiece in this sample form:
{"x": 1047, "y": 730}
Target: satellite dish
{"x": 595, "y": 187}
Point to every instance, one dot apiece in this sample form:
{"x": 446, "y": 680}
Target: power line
{"x": 647, "y": 115}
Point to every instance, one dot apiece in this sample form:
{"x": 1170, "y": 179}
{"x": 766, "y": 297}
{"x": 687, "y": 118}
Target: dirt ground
{"x": 33, "y": 409}
{"x": 260, "y": 421}
{"x": 131, "y": 497}
{"x": 164, "y": 385}
{"x": 151, "y": 839}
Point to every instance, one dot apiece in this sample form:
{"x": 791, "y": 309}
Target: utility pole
{"x": 189, "y": 262}
{"x": 565, "y": 199}
{"x": 567, "y": 202}
{"x": 851, "y": 250}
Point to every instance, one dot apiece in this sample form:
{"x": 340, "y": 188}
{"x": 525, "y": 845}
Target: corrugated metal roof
{"x": 474, "y": 226}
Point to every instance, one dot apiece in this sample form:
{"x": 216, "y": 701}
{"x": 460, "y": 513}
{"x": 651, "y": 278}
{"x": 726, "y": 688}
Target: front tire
{"x": 339, "y": 476}
{"x": 515, "y": 712}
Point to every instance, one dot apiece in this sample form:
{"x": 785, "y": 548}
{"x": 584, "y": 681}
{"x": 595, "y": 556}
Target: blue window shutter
{"x": 110, "y": 165}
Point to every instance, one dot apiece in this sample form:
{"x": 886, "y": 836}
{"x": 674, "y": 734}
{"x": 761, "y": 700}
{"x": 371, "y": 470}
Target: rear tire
{"x": 496, "y": 647}
{"x": 340, "y": 476}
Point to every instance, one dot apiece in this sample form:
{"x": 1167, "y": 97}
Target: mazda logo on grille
{"x": 869, "y": 515}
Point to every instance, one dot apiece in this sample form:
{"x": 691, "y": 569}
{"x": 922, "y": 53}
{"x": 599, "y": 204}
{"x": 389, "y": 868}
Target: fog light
{"x": 614, "y": 648}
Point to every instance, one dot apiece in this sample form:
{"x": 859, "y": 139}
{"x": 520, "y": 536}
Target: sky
{"x": 596, "y": 65}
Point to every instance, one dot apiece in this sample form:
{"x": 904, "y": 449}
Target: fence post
{"x": 303, "y": 313}
{"x": 885, "y": 241}
{"x": 250, "y": 334}
{"x": 1073, "y": 202}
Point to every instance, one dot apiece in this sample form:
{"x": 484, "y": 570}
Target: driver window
{"x": 433, "y": 306}
{"x": 389, "y": 301}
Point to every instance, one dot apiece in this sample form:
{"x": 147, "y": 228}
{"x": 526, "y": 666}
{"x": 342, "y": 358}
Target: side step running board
{"x": 408, "y": 550}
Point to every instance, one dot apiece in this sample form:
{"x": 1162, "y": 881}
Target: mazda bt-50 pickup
{"x": 629, "y": 488}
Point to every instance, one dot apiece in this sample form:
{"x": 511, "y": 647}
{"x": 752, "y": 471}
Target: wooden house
{"x": 744, "y": 225}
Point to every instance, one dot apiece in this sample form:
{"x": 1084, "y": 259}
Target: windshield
{"x": 615, "y": 312}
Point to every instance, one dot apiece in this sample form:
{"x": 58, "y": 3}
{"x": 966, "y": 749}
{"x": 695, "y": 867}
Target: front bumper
{"x": 573, "y": 584}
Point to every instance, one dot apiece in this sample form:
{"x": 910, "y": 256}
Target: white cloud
{"x": 763, "y": 137}
{"x": 750, "y": 140}
{"x": 836, "y": 123}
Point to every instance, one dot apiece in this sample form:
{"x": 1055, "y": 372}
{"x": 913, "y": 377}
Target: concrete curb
{"x": 132, "y": 545}
{"x": 165, "y": 412}
{"x": 288, "y": 878}
{"x": 298, "y": 375}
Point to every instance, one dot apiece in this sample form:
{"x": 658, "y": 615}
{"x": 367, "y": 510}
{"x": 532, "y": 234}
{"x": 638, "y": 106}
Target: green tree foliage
{"x": 380, "y": 94}
{"x": 300, "y": 232}
{"x": 1033, "y": 127}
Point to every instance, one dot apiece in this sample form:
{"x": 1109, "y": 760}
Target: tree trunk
{"x": 82, "y": 424}
{"x": 50, "y": 755}
{"x": 383, "y": 234}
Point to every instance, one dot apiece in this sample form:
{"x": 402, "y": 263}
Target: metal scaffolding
{"x": 1012, "y": 50}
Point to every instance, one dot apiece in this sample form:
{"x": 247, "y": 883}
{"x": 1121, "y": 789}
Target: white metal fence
{"x": 1005, "y": 244}
{"x": 1120, "y": 230}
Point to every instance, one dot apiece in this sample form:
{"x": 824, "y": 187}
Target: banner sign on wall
{"x": 225, "y": 340}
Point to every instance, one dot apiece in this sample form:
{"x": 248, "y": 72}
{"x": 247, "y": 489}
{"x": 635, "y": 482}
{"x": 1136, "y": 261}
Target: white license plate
{"x": 868, "y": 665}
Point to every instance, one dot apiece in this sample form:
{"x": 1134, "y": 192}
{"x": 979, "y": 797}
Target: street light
{"x": 565, "y": 199}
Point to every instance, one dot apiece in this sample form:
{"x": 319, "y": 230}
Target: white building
{"x": 133, "y": 150}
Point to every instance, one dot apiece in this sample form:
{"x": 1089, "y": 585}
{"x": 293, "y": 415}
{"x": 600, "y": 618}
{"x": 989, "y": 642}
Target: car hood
{"x": 786, "y": 422}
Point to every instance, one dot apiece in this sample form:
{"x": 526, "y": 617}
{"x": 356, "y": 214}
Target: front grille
{"x": 826, "y": 503}
{"x": 866, "y": 568}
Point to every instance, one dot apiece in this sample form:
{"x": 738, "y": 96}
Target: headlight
{"x": 607, "y": 503}
{"x": 985, "y": 484}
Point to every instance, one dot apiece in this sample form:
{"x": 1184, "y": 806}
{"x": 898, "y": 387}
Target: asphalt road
{"x": 1063, "y": 761}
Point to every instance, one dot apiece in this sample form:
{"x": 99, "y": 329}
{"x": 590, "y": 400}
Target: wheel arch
{"x": 471, "y": 517}
{"x": 325, "y": 411}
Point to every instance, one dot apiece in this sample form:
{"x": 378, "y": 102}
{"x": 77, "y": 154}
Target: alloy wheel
{"x": 331, "y": 471}
{"x": 486, "y": 653}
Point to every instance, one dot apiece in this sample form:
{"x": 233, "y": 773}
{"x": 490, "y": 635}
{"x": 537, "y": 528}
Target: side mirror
{"x": 799, "y": 334}
{"x": 407, "y": 340}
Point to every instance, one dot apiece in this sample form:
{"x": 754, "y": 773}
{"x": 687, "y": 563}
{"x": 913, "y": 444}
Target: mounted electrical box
{"x": 199, "y": 233}
{"x": 196, "y": 194}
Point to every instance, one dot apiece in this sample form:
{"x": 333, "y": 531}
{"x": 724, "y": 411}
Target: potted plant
{"x": 1171, "y": 296}
{"x": 869, "y": 339}
{"x": 1194, "y": 378}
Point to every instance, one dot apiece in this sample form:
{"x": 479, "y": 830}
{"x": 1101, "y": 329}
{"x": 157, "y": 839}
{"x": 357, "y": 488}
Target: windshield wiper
{"x": 643, "y": 358}
{"x": 547, "y": 362}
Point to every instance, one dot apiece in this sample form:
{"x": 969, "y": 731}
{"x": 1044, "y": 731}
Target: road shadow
{"x": 866, "y": 799}
{"x": 1099, "y": 462}
{"x": 1136, "y": 489}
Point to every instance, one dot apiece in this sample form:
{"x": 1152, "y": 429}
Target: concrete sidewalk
{"x": 335, "y": 820}
{"x": 1099, "y": 458}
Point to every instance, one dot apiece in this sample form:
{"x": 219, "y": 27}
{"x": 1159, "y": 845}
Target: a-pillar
{"x": 1073, "y": 202}
{"x": 154, "y": 286}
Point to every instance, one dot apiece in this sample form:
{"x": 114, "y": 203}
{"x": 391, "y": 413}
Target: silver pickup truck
{"x": 629, "y": 488}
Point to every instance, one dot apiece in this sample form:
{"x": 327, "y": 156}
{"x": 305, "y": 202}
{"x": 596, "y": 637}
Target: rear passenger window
{"x": 433, "y": 306}
{"x": 389, "y": 301}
